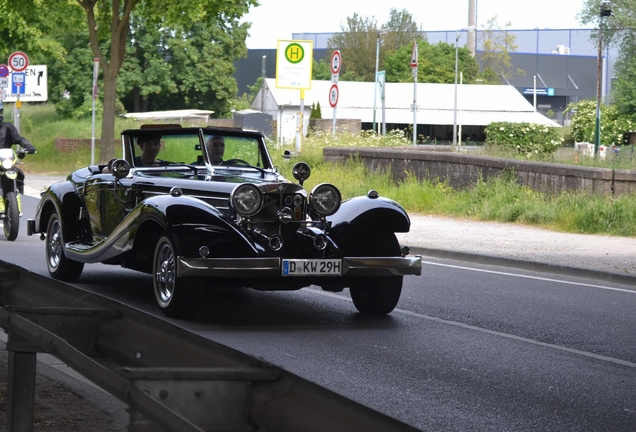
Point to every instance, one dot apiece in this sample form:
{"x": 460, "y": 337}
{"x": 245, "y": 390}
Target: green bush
{"x": 613, "y": 124}
{"x": 526, "y": 140}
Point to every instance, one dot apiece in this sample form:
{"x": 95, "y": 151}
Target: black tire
{"x": 177, "y": 297}
{"x": 12, "y": 219}
{"x": 60, "y": 267}
{"x": 378, "y": 295}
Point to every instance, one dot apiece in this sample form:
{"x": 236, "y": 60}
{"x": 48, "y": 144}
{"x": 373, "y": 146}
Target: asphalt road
{"x": 470, "y": 347}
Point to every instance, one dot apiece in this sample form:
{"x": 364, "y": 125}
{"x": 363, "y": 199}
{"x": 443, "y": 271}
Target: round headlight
{"x": 246, "y": 199}
{"x": 325, "y": 199}
{"x": 7, "y": 164}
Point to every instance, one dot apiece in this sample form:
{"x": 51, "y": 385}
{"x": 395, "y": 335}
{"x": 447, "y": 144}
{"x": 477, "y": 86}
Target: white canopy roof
{"x": 166, "y": 115}
{"x": 477, "y": 105}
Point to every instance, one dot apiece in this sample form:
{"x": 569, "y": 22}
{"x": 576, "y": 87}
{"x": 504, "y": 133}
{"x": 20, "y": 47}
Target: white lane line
{"x": 532, "y": 277}
{"x": 494, "y": 333}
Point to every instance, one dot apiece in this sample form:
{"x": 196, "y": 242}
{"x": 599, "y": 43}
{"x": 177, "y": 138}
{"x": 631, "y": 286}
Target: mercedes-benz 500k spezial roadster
{"x": 200, "y": 208}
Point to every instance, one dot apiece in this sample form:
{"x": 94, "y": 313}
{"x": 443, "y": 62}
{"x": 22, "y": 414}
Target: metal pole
{"x": 375, "y": 85}
{"x": 455, "y": 104}
{"x": 534, "y": 93}
{"x": 263, "y": 74}
{"x": 414, "y": 106}
{"x": 597, "y": 126}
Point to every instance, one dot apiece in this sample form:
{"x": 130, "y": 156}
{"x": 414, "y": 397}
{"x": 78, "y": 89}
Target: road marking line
{"x": 532, "y": 277}
{"x": 494, "y": 333}
{"x": 521, "y": 339}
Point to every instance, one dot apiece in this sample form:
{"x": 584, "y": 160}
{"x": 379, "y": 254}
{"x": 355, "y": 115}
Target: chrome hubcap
{"x": 165, "y": 273}
{"x": 55, "y": 244}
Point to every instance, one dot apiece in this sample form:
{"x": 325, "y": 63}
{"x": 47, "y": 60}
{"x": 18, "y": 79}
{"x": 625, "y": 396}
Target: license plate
{"x": 312, "y": 267}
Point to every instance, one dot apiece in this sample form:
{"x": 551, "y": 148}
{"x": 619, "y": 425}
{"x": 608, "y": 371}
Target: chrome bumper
{"x": 272, "y": 267}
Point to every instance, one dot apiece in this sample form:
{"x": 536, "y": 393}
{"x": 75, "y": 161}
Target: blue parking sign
{"x": 18, "y": 82}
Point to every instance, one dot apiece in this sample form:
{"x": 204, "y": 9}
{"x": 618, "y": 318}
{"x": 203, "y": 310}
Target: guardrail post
{"x": 20, "y": 384}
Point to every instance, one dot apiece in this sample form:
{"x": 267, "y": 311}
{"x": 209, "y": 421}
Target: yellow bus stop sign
{"x": 294, "y": 60}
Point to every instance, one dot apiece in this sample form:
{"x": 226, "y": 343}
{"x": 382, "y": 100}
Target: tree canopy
{"x": 358, "y": 42}
{"x": 618, "y": 29}
{"x": 152, "y": 54}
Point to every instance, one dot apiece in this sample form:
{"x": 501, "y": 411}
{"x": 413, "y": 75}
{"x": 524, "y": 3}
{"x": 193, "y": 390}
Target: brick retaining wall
{"x": 462, "y": 170}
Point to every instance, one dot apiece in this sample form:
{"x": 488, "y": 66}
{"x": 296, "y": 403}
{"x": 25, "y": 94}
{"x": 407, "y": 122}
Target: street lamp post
{"x": 377, "y": 65}
{"x": 470, "y": 28}
{"x": 605, "y": 10}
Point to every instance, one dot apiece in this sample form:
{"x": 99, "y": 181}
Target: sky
{"x": 278, "y": 19}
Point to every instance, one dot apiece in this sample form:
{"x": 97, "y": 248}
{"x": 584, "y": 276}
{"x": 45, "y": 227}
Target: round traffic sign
{"x": 336, "y": 62}
{"x": 18, "y": 61}
{"x": 333, "y": 95}
{"x": 4, "y": 71}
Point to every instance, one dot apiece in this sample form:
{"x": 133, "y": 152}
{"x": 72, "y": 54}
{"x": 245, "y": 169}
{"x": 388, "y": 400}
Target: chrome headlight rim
{"x": 242, "y": 195}
{"x": 322, "y": 194}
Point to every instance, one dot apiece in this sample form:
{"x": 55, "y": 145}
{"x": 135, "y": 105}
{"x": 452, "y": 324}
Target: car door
{"x": 107, "y": 203}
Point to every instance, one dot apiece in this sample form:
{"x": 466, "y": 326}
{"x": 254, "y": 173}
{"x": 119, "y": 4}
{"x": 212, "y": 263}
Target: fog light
{"x": 275, "y": 242}
{"x": 285, "y": 215}
{"x": 320, "y": 242}
{"x": 204, "y": 251}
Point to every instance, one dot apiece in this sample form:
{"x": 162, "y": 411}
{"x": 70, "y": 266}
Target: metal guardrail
{"x": 170, "y": 379}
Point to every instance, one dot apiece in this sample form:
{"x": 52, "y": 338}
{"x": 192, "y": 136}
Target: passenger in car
{"x": 216, "y": 147}
{"x": 150, "y": 146}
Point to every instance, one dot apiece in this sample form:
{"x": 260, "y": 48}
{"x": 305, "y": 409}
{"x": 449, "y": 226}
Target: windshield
{"x": 156, "y": 149}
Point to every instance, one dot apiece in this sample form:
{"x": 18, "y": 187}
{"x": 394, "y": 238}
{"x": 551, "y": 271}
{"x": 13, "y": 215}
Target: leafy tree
{"x": 358, "y": 43}
{"x": 109, "y": 29}
{"x": 401, "y": 31}
{"x": 497, "y": 46}
{"x": 436, "y": 64}
{"x": 321, "y": 69}
{"x": 29, "y": 26}
{"x": 619, "y": 29}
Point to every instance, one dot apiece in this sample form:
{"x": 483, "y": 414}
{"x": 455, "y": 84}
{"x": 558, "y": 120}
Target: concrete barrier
{"x": 463, "y": 170}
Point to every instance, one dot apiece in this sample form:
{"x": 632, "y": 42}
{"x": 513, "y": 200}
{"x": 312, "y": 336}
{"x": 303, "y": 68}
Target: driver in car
{"x": 215, "y": 146}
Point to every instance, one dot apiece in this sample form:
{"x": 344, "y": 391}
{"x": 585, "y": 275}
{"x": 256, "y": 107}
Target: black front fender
{"x": 361, "y": 217}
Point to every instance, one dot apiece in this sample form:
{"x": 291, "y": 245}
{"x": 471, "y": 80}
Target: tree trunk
{"x": 107, "y": 148}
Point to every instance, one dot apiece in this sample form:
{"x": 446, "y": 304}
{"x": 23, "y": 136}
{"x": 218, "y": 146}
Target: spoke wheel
{"x": 12, "y": 219}
{"x": 380, "y": 295}
{"x": 60, "y": 267}
{"x": 177, "y": 297}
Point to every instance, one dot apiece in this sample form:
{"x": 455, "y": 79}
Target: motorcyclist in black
{"x": 9, "y": 136}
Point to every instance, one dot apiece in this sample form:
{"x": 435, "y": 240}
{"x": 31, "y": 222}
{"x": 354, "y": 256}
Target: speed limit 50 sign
{"x": 18, "y": 61}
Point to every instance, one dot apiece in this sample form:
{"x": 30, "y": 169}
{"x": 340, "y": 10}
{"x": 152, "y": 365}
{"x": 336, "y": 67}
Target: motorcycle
{"x": 9, "y": 187}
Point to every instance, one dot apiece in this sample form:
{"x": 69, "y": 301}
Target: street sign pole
{"x": 336, "y": 65}
{"x": 414, "y": 71}
{"x": 18, "y": 62}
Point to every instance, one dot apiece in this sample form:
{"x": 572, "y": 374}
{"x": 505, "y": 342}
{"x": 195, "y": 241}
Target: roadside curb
{"x": 525, "y": 265}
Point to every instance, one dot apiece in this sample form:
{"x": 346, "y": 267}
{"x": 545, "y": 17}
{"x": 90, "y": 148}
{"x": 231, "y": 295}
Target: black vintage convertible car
{"x": 201, "y": 208}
